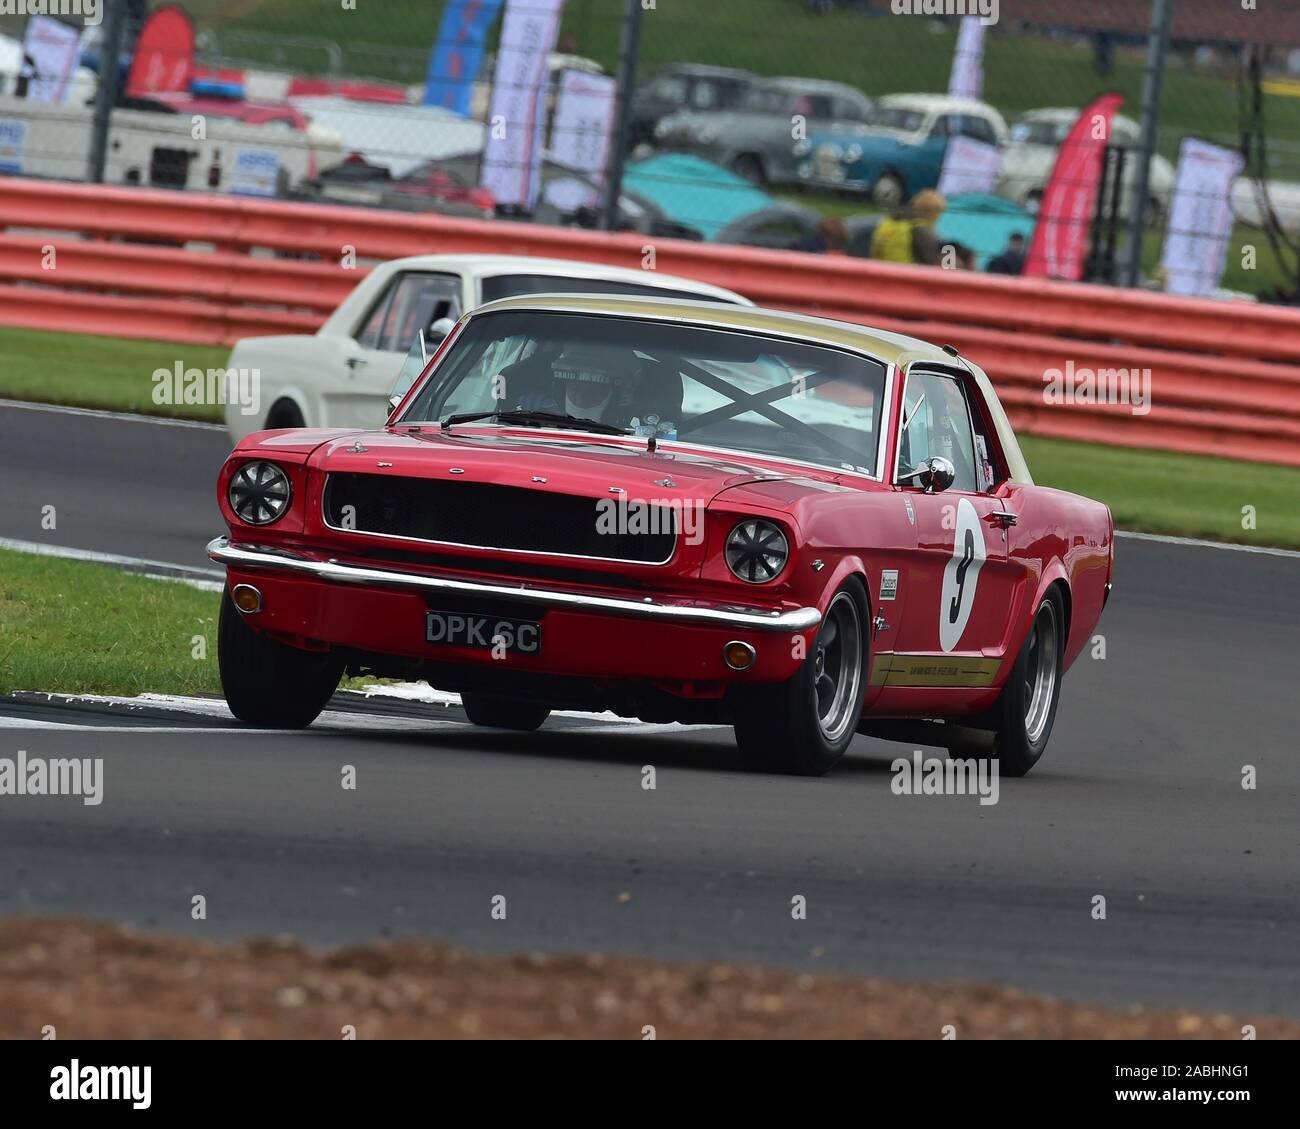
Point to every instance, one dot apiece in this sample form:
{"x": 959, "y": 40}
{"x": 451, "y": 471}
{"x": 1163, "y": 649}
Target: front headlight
{"x": 853, "y": 154}
{"x": 757, "y": 551}
{"x": 259, "y": 493}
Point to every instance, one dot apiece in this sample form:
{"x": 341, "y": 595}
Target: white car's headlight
{"x": 259, "y": 493}
{"x": 757, "y": 551}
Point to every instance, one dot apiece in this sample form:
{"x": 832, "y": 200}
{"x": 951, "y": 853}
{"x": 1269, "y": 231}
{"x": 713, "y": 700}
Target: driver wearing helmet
{"x": 612, "y": 386}
{"x": 593, "y": 383}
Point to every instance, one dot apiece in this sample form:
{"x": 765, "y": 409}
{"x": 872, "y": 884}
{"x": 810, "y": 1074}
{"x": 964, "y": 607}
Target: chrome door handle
{"x": 355, "y": 363}
{"x": 1006, "y": 517}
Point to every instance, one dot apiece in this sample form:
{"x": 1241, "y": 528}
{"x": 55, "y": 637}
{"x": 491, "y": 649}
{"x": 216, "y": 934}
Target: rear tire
{"x": 268, "y": 683}
{"x": 496, "y": 712}
{"x": 750, "y": 167}
{"x": 1026, "y": 708}
{"x": 805, "y": 724}
{"x": 284, "y": 413}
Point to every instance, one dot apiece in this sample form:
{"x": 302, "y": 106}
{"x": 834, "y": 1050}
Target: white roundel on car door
{"x": 961, "y": 576}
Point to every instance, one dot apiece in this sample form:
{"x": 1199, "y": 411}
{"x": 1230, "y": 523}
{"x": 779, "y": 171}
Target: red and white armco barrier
{"x": 1225, "y": 376}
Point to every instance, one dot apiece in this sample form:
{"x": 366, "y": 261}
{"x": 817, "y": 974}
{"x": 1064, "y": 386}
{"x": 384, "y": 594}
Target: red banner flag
{"x": 1059, "y": 247}
{"x": 164, "y": 55}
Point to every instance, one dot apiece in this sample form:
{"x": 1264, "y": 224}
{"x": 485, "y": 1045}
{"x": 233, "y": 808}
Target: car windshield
{"x": 695, "y": 384}
{"x": 1040, "y": 132}
{"x": 896, "y": 117}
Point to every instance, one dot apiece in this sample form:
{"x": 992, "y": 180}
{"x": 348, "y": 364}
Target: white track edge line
{"x": 104, "y": 413}
{"x": 1199, "y": 543}
{"x": 209, "y": 579}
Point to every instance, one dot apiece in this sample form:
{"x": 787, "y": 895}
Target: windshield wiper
{"x": 555, "y": 419}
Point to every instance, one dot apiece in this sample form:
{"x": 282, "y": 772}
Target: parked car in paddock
{"x": 901, "y": 147}
{"x": 1036, "y": 139}
{"x": 342, "y": 375}
{"x": 683, "y": 86}
{"x": 678, "y": 511}
{"x": 426, "y": 188}
{"x": 754, "y": 139}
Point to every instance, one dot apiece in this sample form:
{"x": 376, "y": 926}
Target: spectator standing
{"x": 909, "y": 236}
{"x": 1012, "y": 259}
{"x": 831, "y": 237}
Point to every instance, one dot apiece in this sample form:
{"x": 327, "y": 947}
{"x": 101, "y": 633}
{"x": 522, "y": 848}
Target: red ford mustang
{"x": 677, "y": 511}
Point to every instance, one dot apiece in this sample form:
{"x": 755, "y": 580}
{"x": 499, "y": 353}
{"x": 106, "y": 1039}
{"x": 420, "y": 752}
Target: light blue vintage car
{"x": 754, "y": 139}
{"x": 901, "y": 148}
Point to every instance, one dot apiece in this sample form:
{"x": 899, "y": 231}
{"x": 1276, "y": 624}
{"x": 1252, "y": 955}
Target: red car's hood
{"x": 574, "y": 464}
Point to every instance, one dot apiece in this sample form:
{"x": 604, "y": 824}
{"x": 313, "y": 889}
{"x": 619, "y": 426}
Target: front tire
{"x": 1026, "y": 708}
{"x": 268, "y": 683}
{"x": 497, "y": 712}
{"x": 889, "y": 191}
{"x": 804, "y": 725}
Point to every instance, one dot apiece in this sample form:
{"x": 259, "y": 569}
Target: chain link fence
{"x": 807, "y": 124}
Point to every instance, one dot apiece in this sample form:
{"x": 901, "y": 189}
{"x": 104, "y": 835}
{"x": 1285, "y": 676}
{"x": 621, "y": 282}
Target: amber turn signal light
{"x": 246, "y": 598}
{"x": 738, "y": 656}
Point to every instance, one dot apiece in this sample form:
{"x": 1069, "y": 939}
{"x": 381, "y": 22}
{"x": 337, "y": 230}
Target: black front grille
{"x": 496, "y": 517}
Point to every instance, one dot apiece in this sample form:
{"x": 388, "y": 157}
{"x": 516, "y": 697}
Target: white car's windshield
{"x": 696, "y": 384}
{"x": 515, "y": 285}
{"x": 896, "y": 117}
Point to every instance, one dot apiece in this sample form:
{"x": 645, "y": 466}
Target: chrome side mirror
{"x": 439, "y": 329}
{"x": 935, "y": 475}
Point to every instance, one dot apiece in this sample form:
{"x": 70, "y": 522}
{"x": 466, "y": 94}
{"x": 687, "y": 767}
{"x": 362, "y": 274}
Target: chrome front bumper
{"x": 281, "y": 560}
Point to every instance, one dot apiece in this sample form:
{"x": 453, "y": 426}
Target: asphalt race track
{"x": 133, "y": 487}
{"x": 1139, "y": 798}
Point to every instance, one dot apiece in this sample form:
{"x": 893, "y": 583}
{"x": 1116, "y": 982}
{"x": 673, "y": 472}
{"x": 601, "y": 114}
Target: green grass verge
{"x": 99, "y": 372}
{"x": 74, "y": 627}
{"x": 71, "y": 627}
{"x": 1186, "y": 495}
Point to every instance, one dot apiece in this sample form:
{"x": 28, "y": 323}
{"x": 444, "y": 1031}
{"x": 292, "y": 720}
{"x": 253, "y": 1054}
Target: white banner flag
{"x": 54, "y": 49}
{"x": 580, "y": 136}
{"x": 969, "y": 166}
{"x": 584, "y": 119}
{"x": 1200, "y": 217}
{"x": 967, "y": 79}
{"x": 512, "y": 157}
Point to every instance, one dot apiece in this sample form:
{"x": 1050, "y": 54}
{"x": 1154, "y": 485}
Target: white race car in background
{"x": 342, "y": 375}
{"x": 1036, "y": 138}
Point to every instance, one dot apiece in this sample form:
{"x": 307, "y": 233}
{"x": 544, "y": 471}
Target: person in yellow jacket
{"x": 909, "y": 237}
